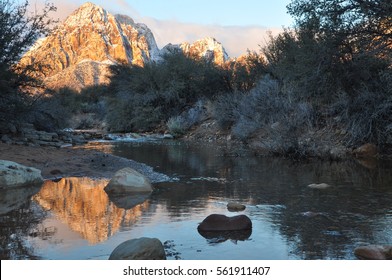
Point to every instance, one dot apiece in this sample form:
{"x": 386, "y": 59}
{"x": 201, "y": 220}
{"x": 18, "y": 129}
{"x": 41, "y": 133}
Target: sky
{"x": 238, "y": 25}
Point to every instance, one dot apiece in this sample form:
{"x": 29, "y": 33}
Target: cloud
{"x": 236, "y": 39}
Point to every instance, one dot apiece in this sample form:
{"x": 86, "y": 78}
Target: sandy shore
{"x": 73, "y": 162}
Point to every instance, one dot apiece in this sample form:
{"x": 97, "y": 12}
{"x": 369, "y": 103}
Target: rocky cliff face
{"x": 92, "y": 34}
{"x": 207, "y": 48}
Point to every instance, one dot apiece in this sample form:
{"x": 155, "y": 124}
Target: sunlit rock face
{"x": 84, "y": 206}
{"x": 92, "y": 34}
{"x": 208, "y": 48}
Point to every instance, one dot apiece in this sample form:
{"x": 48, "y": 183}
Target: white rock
{"x": 128, "y": 180}
{"x": 13, "y": 174}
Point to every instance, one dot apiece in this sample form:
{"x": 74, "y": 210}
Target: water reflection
{"x": 75, "y": 219}
{"x": 222, "y": 236}
{"x": 84, "y": 206}
{"x": 14, "y": 198}
{"x": 353, "y": 211}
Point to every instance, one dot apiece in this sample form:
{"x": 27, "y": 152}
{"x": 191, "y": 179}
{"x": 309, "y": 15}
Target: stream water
{"x": 74, "y": 219}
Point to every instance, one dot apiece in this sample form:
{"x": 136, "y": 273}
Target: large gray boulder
{"x": 139, "y": 249}
{"x": 128, "y": 180}
{"x": 13, "y": 175}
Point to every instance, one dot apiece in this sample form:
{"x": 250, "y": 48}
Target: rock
{"x": 47, "y": 136}
{"x": 15, "y": 197}
{"x": 216, "y": 222}
{"x": 6, "y": 139}
{"x": 207, "y": 48}
{"x": 12, "y": 128}
{"x": 31, "y": 135}
{"x": 78, "y": 140}
{"x": 367, "y": 150}
{"x": 374, "y": 252}
{"x": 321, "y": 186}
{"x": 13, "y": 174}
{"x": 128, "y": 180}
{"x": 235, "y": 207}
{"x": 139, "y": 249}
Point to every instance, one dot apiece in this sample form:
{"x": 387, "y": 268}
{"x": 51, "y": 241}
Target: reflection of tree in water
{"x": 15, "y": 227}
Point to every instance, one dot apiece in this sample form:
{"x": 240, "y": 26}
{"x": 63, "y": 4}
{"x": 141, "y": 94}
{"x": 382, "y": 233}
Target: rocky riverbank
{"x": 73, "y": 161}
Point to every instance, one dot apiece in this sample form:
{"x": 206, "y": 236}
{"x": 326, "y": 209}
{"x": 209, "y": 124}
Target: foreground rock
{"x": 235, "y": 207}
{"x": 217, "y": 222}
{"x": 374, "y": 252}
{"x": 128, "y": 180}
{"x": 139, "y": 249}
{"x": 13, "y": 174}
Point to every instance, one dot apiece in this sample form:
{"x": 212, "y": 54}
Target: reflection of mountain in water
{"x": 84, "y": 206}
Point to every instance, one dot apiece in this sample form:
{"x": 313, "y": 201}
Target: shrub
{"x": 177, "y": 125}
{"x": 367, "y": 117}
{"x": 147, "y": 97}
{"x": 225, "y": 109}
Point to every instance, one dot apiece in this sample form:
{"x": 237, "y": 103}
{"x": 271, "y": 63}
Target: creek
{"x": 74, "y": 219}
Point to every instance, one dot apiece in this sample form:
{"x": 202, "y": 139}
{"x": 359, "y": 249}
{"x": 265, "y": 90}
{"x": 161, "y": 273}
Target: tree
{"x": 335, "y": 46}
{"x": 366, "y": 23}
{"x": 19, "y": 29}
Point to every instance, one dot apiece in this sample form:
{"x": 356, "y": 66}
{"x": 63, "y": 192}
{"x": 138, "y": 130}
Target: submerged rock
{"x": 217, "y": 222}
{"x": 139, "y": 249}
{"x": 235, "y": 207}
{"x": 374, "y": 252}
{"x": 13, "y": 174}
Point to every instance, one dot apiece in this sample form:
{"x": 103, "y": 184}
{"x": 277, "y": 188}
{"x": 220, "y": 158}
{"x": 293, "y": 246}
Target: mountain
{"x": 80, "y": 50}
{"x": 92, "y": 34}
{"x": 207, "y": 48}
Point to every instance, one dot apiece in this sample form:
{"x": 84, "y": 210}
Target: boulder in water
{"x": 139, "y": 249}
{"x": 217, "y": 222}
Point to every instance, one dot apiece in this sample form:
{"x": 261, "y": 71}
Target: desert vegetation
{"x": 326, "y": 81}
